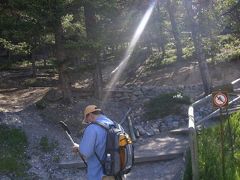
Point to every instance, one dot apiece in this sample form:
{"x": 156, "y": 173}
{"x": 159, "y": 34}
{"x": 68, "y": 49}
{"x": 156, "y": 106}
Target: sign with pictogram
{"x": 220, "y": 99}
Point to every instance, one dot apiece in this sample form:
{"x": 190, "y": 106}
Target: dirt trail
{"x": 24, "y": 114}
{"x": 14, "y": 100}
{"x": 17, "y": 109}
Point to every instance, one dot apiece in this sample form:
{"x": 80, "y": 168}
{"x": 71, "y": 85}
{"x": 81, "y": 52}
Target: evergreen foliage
{"x": 13, "y": 160}
{"x": 62, "y": 30}
{"x": 46, "y": 145}
{"x": 166, "y": 104}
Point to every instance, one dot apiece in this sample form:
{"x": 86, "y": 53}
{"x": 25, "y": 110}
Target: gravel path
{"x": 169, "y": 170}
{"x": 44, "y": 165}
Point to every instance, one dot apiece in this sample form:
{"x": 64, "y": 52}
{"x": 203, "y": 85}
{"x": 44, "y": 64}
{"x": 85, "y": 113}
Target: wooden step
{"x": 139, "y": 158}
{"x": 180, "y": 131}
{"x": 153, "y": 149}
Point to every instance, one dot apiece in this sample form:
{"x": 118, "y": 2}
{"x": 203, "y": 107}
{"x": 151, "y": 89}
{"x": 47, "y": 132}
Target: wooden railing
{"x": 192, "y": 126}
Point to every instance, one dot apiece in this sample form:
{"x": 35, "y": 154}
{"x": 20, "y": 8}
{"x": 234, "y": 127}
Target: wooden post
{"x": 130, "y": 125}
{"x": 193, "y": 144}
{"x": 194, "y": 154}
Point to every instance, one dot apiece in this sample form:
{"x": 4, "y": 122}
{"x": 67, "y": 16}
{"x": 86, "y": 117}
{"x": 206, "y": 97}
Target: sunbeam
{"x": 119, "y": 69}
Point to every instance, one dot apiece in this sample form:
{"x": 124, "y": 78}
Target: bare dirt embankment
{"x": 188, "y": 74}
{"x": 14, "y": 96}
{"x": 17, "y": 108}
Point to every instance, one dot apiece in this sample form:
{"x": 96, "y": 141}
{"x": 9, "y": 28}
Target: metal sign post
{"x": 220, "y": 100}
{"x": 222, "y": 143}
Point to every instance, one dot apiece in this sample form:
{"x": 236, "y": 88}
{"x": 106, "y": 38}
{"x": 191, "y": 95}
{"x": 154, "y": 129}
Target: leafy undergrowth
{"x": 211, "y": 163}
{"x": 229, "y": 49}
{"x": 13, "y": 159}
{"x": 46, "y": 145}
{"x": 210, "y": 150}
{"x": 224, "y": 48}
{"x": 166, "y": 104}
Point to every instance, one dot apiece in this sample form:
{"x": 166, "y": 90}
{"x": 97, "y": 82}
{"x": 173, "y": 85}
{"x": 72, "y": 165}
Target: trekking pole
{"x": 68, "y": 132}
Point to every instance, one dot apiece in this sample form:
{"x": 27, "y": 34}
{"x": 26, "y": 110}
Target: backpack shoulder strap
{"x": 101, "y": 125}
{"x": 105, "y": 126}
{"x": 101, "y": 161}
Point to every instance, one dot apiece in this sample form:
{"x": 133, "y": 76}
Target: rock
{"x": 4, "y": 178}
{"x": 175, "y": 124}
{"x": 134, "y": 98}
{"x": 150, "y": 132}
{"x": 54, "y": 95}
{"x": 141, "y": 131}
{"x": 163, "y": 127}
{"x": 136, "y": 131}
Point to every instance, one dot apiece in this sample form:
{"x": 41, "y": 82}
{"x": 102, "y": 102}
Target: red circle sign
{"x": 220, "y": 99}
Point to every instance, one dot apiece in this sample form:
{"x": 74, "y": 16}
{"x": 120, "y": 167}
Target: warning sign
{"x": 220, "y": 99}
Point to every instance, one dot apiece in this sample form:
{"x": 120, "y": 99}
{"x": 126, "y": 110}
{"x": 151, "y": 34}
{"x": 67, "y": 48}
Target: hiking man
{"x": 94, "y": 142}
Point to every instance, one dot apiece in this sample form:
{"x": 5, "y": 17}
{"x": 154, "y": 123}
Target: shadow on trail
{"x": 15, "y": 100}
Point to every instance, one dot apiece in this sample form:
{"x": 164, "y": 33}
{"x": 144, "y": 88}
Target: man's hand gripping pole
{"x": 68, "y": 132}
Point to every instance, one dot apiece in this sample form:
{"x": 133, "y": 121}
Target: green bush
{"x": 224, "y": 87}
{"x": 13, "y": 158}
{"x": 47, "y": 146}
{"x": 30, "y": 82}
{"x": 165, "y": 104}
{"x": 210, "y": 154}
{"x": 5, "y": 64}
{"x": 188, "y": 52}
{"x": 41, "y": 104}
{"x": 228, "y": 49}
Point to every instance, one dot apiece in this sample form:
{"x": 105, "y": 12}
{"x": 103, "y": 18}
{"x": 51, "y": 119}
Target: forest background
{"x": 73, "y": 38}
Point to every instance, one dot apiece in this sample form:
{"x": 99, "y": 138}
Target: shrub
{"x": 13, "y": 158}
{"x": 41, "y": 104}
{"x": 165, "y": 104}
{"x": 228, "y": 49}
{"x": 47, "y": 146}
{"x": 210, "y": 154}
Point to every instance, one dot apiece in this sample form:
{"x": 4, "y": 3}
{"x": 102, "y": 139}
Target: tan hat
{"x": 90, "y": 109}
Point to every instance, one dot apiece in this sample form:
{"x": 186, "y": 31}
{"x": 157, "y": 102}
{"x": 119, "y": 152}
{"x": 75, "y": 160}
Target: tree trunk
{"x": 33, "y": 57}
{"x": 33, "y": 61}
{"x": 171, "y": 8}
{"x": 161, "y": 41}
{"x": 91, "y": 26}
{"x": 197, "y": 41}
{"x": 45, "y": 63}
{"x": 9, "y": 56}
{"x": 205, "y": 17}
{"x": 98, "y": 79}
{"x": 60, "y": 55}
{"x": 65, "y": 83}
